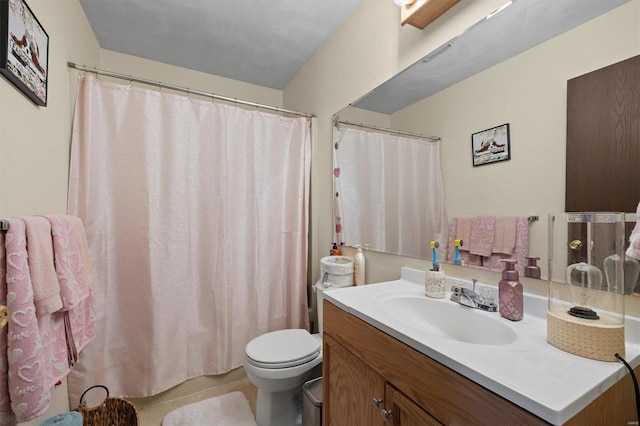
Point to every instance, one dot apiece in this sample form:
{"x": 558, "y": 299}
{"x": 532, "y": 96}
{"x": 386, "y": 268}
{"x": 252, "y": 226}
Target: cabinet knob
{"x": 386, "y": 415}
{"x": 376, "y": 402}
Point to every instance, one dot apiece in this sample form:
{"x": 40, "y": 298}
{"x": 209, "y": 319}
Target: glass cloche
{"x": 585, "y": 314}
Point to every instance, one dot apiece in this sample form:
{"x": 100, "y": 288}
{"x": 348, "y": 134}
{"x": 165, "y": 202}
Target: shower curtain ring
{"x": 129, "y": 80}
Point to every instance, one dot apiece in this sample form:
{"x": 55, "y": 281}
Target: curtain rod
{"x": 382, "y": 129}
{"x": 183, "y": 89}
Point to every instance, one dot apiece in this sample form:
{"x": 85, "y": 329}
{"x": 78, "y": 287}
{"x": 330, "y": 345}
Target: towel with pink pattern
{"x": 482, "y": 235}
{"x": 6, "y": 414}
{"x": 42, "y": 267}
{"x": 73, "y": 266}
{"x": 28, "y": 387}
{"x": 519, "y": 252}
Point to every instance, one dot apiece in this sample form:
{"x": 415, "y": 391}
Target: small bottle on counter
{"x": 335, "y": 250}
{"x": 510, "y": 292}
{"x": 532, "y": 270}
{"x": 358, "y": 267}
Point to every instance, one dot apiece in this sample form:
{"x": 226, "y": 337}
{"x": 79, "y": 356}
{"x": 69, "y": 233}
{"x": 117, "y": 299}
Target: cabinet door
{"x": 351, "y": 389}
{"x": 404, "y": 412}
{"x": 603, "y": 135}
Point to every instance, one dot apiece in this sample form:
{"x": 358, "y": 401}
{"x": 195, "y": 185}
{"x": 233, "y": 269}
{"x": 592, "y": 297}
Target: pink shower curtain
{"x": 196, "y": 216}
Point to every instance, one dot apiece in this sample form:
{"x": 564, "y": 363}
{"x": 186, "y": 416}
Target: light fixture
{"x": 439, "y": 51}
{"x": 498, "y": 10}
{"x": 403, "y": 2}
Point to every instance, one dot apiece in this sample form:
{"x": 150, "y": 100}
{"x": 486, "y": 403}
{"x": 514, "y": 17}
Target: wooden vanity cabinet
{"x": 369, "y": 376}
{"x": 355, "y": 394}
{"x": 361, "y": 363}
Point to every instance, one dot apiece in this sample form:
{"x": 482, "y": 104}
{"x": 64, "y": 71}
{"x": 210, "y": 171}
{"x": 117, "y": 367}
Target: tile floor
{"x": 152, "y": 415}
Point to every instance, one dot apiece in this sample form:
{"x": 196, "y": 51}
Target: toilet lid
{"x": 282, "y": 348}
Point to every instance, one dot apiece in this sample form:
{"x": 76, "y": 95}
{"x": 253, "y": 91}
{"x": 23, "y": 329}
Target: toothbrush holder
{"x": 435, "y": 284}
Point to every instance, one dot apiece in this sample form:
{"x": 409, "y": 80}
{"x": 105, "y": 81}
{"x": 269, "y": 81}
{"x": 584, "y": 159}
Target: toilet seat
{"x": 282, "y": 349}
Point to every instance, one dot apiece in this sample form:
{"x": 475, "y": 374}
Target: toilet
{"x": 278, "y": 363}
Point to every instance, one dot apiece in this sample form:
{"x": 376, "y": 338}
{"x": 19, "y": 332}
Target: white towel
{"x": 634, "y": 238}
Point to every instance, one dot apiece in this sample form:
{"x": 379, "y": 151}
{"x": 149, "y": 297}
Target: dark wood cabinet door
{"x": 603, "y": 139}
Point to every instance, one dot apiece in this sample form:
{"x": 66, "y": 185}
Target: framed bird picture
{"x": 24, "y": 50}
{"x": 491, "y": 145}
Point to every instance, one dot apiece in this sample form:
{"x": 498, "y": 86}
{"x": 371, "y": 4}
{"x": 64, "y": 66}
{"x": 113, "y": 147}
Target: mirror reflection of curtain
{"x": 389, "y": 192}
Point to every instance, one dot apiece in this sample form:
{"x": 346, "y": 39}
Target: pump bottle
{"x": 359, "y": 278}
{"x": 510, "y": 292}
{"x": 532, "y": 270}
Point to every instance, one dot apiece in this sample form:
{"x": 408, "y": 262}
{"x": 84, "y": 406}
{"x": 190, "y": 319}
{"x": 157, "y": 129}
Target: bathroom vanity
{"x": 378, "y": 371}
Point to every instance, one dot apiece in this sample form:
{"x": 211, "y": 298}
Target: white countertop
{"x": 550, "y": 383}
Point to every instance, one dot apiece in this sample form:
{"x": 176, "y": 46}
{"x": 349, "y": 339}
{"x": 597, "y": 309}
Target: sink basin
{"x": 449, "y": 319}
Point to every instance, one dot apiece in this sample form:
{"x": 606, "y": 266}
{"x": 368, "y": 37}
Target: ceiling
{"x": 264, "y": 42}
{"x": 521, "y": 26}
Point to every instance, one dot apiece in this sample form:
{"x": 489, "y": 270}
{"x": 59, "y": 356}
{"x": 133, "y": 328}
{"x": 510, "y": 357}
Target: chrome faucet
{"x": 468, "y": 297}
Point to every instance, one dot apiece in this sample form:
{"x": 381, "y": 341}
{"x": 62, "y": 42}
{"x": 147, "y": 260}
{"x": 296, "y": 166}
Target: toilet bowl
{"x": 278, "y": 363}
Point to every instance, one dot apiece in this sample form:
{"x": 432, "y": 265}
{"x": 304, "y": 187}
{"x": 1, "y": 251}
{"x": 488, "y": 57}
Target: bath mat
{"x": 231, "y": 409}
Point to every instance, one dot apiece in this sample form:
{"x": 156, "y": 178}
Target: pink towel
{"x": 482, "y": 235}
{"x": 71, "y": 259}
{"x": 463, "y": 231}
{"x": 46, "y": 292}
{"x": 520, "y": 251}
{"x": 6, "y": 415}
{"x": 75, "y": 277}
{"x": 634, "y": 239}
{"x": 504, "y": 235}
{"x": 28, "y": 388}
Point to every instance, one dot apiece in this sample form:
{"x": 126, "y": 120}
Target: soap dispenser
{"x": 510, "y": 292}
{"x": 532, "y": 270}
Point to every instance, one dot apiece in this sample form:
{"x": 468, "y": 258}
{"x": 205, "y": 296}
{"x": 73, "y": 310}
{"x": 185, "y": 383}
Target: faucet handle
{"x": 474, "y": 281}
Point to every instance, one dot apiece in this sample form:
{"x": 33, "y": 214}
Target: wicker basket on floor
{"x": 112, "y": 411}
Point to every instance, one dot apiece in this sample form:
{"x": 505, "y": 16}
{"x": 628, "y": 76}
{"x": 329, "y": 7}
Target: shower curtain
{"x": 196, "y": 217}
{"x": 389, "y": 192}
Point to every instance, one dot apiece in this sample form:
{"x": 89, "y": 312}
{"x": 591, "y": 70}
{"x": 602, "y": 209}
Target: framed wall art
{"x": 24, "y": 50}
{"x": 491, "y": 145}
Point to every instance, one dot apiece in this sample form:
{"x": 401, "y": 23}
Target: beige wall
{"x": 34, "y": 141}
{"x": 177, "y": 76}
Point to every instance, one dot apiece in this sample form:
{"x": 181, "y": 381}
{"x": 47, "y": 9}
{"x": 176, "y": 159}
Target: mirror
{"x": 510, "y": 68}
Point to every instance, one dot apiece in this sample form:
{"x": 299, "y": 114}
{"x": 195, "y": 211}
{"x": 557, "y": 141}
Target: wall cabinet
{"x": 371, "y": 378}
